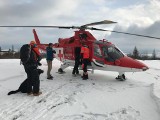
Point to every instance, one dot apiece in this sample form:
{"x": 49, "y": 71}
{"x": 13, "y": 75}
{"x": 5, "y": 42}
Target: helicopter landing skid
{"x": 121, "y": 78}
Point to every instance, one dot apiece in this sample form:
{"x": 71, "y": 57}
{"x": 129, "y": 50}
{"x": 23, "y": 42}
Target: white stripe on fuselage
{"x": 97, "y": 66}
{"x": 106, "y": 67}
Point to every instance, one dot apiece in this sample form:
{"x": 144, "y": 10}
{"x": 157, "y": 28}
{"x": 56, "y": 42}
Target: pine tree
{"x": 135, "y": 53}
{"x": 154, "y": 55}
{"x": 12, "y": 48}
{"x": 0, "y": 52}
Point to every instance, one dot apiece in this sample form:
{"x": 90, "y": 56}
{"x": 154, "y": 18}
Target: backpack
{"x": 25, "y": 52}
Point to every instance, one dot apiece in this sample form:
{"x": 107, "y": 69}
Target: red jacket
{"x": 85, "y": 52}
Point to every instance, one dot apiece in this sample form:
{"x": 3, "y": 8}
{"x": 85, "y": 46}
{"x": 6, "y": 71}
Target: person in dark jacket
{"x": 77, "y": 56}
{"x": 49, "y": 57}
{"x": 33, "y": 82}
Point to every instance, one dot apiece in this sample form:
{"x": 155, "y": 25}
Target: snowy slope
{"x": 70, "y": 98}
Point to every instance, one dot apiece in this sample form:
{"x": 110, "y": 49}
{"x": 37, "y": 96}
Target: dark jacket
{"x": 50, "y": 53}
{"x": 33, "y": 59}
{"x": 77, "y": 53}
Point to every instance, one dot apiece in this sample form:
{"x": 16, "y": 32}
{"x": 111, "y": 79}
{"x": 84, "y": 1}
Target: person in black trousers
{"x": 33, "y": 82}
{"x": 77, "y": 56}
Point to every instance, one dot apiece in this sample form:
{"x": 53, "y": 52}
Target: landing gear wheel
{"x": 60, "y": 71}
{"x": 121, "y": 78}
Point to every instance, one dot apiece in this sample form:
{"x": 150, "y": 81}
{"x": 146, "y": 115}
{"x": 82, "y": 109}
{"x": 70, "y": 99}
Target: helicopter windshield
{"x": 111, "y": 53}
{"x": 106, "y": 52}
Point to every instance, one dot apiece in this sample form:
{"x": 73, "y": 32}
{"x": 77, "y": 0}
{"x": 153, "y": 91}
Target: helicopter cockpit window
{"x": 97, "y": 51}
{"x": 111, "y": 50}
{"x": 111, "y": 53}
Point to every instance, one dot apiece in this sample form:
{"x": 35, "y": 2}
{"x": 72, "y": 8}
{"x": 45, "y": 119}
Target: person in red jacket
{"x": 36, "y": 51}
{"x": 85, "y": 60}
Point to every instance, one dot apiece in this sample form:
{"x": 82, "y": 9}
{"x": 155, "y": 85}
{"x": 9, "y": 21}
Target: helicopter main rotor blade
{"x": 62, "y": 27}
{"x": 133, "y": 34}
{"x": 92, "y": 28}
{"x": 101, "y": 22}
{"x": 85, "y": 27}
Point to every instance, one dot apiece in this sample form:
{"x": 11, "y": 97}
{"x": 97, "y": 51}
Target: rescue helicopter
{"x": 104, "y": 55}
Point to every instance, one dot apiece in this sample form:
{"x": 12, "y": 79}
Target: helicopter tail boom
{"x": 36, "y": 37}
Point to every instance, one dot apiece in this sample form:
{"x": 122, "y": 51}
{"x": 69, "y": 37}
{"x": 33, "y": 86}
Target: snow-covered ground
{"x": 101, "y": 97}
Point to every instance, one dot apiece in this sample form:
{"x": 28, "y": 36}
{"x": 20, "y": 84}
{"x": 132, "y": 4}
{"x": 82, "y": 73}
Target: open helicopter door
{"x": 97, "y": 56}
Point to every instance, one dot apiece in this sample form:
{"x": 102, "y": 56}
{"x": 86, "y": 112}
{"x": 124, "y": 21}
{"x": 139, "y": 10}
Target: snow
{"x": 101, "y": 97}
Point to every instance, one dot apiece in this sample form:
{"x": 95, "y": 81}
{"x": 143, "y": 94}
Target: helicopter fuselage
{"x": 103, "y": 54}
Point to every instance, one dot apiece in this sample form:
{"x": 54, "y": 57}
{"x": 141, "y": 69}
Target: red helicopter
{"x": 103, "y": 54}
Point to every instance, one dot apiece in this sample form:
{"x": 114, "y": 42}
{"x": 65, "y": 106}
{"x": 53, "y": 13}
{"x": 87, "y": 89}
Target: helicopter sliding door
{"x": 98, "y": 59}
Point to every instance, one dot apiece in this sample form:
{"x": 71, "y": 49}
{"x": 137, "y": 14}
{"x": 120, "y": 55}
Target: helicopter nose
{"x": 132, "y": 63}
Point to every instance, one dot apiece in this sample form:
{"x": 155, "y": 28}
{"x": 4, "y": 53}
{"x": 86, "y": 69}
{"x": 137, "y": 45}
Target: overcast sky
{"x": 134, "y": 16}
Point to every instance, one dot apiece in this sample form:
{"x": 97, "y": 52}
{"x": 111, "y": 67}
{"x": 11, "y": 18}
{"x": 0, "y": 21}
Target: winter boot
{"x": 85, "y": 77}
{"x": 37, "y": 94}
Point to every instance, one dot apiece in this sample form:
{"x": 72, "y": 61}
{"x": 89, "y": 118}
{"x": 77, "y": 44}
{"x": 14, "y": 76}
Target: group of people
{"x": 81, "y": 57}
{"x": 32, "y": 63}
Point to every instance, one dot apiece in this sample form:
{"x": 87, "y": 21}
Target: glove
{"x": 39, "y": 58}
{"x": 39, "y": 64}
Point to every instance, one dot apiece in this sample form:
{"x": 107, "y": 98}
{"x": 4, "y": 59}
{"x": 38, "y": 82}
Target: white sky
{"x": 141, "y": 17}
